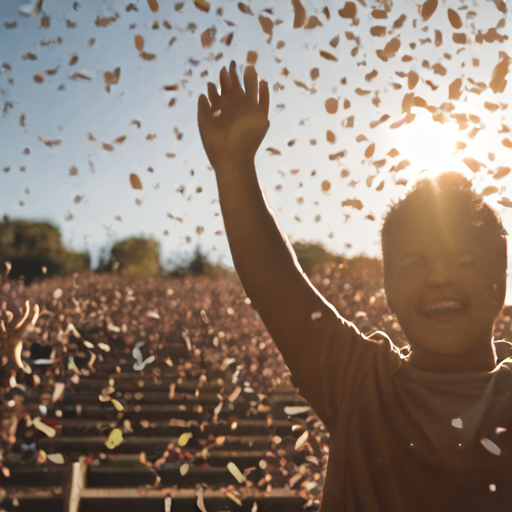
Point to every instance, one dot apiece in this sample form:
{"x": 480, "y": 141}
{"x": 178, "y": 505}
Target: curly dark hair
{"x": 455, "y": 193}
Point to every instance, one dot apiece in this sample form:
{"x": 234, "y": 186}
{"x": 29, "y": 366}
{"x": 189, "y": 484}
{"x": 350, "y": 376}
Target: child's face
{"x": 443, "y": 286}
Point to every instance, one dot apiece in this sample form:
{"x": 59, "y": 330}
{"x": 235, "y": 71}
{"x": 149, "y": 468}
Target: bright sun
{"x": 430, "y": 145}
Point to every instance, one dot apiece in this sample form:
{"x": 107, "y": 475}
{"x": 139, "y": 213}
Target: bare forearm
{"x": 262, "y": 256}
{"x": 232, "y": 126}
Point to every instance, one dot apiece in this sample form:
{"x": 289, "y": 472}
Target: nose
{"x": 439, "y": 274}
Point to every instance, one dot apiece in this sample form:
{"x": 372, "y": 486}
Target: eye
{"x": 466, "y": 260}
{"x": 412, "y": 263}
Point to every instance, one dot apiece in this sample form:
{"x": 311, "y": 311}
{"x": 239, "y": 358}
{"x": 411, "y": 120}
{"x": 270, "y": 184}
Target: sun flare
{"x": 430, "y": 146}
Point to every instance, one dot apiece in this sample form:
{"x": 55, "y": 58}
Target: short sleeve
{"x": 325, "y": 364}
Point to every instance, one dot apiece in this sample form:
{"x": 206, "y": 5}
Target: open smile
{"x": 443, "y": 311}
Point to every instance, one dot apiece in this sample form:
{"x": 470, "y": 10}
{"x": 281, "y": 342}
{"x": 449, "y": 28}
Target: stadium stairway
{"x": 126, "y": 440}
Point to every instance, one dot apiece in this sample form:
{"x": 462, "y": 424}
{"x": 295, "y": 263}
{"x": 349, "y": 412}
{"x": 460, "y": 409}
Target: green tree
{"x": 135, "y": 257}
{"x": 35, "y": 249}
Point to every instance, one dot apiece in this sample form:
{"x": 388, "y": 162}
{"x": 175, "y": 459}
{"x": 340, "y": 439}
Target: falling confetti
{"x": 490, "y": 446}
{"x": 233, "y": 469}
{"x": 56, "y": 458}
{"x": 115, "y": 438}
{"x": 135, "y": 182}
{"x": 43, "y": 427}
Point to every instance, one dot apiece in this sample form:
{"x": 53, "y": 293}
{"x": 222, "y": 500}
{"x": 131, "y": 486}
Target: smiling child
{"x": 413, "y": 429}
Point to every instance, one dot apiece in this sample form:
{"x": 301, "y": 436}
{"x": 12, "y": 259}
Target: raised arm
{"x": 263, "y": 257}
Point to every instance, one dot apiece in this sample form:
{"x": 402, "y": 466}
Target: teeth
{"x": 444, "y": 308}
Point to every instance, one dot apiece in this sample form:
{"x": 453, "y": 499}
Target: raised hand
{"x": 11, "y": 337}
{"x": 233, "y": 124}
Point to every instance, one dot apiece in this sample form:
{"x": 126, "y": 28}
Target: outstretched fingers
{"x": 235, "y": 82}
{"x": 35, "y": 315}
{"x": 25, "y": 315}
{"x": 225, "y": 81}
{"x": 264, "y": 98}
{"x": 27, "y": 319}
{"x": 213, "y": 95}
{"x": 251, "y": 83}
{"x": 203, "y": 107}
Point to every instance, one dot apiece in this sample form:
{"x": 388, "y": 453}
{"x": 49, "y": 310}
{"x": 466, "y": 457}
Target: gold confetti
{"x": 115, "y": 438}
{"x": 185, "y": 438}
{"x": 43, "y": 427}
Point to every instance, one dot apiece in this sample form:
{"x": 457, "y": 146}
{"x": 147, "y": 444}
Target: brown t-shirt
{"x": 402, "y": 439}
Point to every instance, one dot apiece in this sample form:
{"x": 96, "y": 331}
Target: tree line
{"x": 34, "y": 250}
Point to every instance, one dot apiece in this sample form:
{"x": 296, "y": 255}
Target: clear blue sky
{"x": 69, "y": 109}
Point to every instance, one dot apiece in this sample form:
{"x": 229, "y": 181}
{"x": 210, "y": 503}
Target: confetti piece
{"x": 454, "y": 18}
{"x": 292, "y": 410}
{"x": 117, "y": 405}
{"x": 331, "y": 105}
{"x": 235, "y": 394}
{"x": 300, "y": 14}
{"x": 427, "y": 9}
{"x": 490, "y": 446}
{"x": 328, "y": 56}
{"x": 202, "y": 5}
{"x": 200, "y": 503}
{"x": 498, "y": 82}
{"x": 232, "y": 497}
{"x": 153, "y": 5}
{"x": 56, "y": 458}
{"x": 43, "y": 427}
{"x": 233, "y": 469}
{"x": 245, "y": 8}
{"x": 135, "y": 182}
{"x": 301, "y": 441}
{"x": 354, "y": 203}
{"x": 139, "y": 44}
{"x": 184, "y": 438}
{"x": 349, "y": 11}
{"x": 115, "y": 438}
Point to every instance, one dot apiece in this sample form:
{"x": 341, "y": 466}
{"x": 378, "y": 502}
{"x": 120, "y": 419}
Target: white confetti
{"x": 457, "y": 423}
{"x": 301, "y": 440}
{"x": 200, "y": 503}
{"x": 296, "y": 409}
{"x": 56, "y": 458}
{"x": 490, "y": 446}
{"x": 58, "y": 391}
{"x": 233, "y": 469}
{"x": 43, "y": 427}
{"x": 235, "y": 394}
